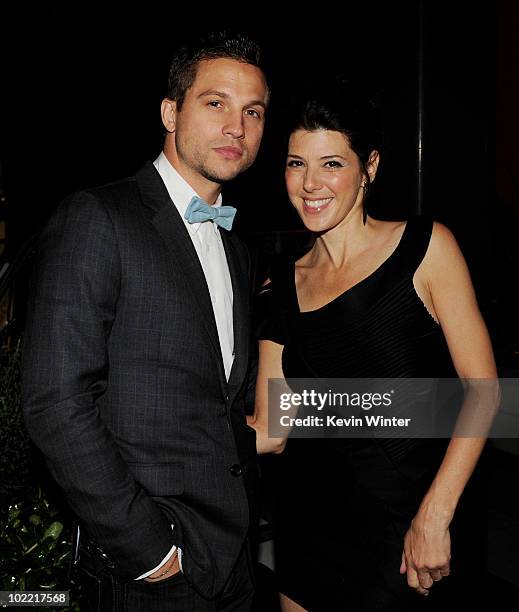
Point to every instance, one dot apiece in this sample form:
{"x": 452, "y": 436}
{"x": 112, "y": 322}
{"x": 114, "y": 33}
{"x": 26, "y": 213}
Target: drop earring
{"x": 364, "y": 186}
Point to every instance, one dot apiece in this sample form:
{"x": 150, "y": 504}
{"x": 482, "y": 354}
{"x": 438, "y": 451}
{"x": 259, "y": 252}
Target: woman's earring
{"x": 364, "y": 186}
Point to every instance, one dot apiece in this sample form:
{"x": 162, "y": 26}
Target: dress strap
{"x": 417, "y": 242}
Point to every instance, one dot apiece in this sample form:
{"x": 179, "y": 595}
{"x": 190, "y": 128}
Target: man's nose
{"x": 234, "y": 126}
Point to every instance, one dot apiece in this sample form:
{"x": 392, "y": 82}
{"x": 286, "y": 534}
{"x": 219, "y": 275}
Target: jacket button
{"x": 236, "y": 469}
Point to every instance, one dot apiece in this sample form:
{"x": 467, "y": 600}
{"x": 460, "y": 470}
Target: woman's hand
{"x": 427, "y": 551}
{"x": 264, "y": 443}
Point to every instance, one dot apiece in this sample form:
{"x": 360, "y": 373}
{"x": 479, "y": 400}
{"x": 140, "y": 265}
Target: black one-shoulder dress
{"x": 344, "y": 505}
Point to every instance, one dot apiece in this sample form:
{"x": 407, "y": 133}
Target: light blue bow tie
{"x": 199, "y": 211}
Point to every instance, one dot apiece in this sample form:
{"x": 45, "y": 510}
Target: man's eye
{"x": 215, "y": 103}
{"x": 253, "y": 113}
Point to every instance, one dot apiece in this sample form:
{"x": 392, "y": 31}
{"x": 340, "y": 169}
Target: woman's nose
{"x": 312, "y": 181}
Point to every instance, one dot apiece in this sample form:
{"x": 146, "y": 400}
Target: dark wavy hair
{"x": 343, "y": 105}
{"x": 215, "y": 45}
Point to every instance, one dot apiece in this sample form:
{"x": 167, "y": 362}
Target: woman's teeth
{"x": 317, "y": 203}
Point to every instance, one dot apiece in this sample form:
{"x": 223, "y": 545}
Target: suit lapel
{"x": 239, "y": 279}
{"x": 171, "y": 228}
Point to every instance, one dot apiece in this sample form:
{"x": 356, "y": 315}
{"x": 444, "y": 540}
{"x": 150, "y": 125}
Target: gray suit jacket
{"x": 123, "y": 382}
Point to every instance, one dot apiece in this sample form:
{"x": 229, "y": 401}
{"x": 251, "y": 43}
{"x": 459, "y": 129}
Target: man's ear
{"x": 168, "y": 112}
{"x": 372, "y": 165}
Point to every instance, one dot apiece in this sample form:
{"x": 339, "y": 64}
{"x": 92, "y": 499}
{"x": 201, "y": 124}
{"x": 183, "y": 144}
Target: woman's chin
{"x": 313, "y": 220}
{"x": 316, "y": 226}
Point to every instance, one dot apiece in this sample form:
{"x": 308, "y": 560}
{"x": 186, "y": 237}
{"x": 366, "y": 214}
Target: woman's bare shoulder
{"x": 443, "y": 258}
{"x": 443, "y": 244}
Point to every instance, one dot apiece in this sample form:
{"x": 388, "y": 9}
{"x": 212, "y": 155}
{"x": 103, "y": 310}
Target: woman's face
{"x": 324, "y": 177}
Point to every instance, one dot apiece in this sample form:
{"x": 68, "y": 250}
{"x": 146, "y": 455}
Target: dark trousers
{"x": 101, "y": 591}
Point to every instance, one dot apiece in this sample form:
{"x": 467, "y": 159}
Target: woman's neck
{"x": 335, "y": 247}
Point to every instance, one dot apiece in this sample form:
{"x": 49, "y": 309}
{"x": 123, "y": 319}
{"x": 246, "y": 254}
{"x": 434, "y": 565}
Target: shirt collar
{"x": 180, "y": 191}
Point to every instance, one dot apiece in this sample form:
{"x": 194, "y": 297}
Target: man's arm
{"x": 71, "y": 310}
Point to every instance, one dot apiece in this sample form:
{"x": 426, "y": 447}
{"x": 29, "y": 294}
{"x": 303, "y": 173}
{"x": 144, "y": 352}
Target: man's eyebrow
{"x": 257, "y": 103}
{"x": 213, "y": 92}
{"x": 223, "y": 94}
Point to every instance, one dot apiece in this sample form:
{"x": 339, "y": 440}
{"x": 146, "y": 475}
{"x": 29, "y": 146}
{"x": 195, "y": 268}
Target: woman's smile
{"x": 313, "y": 206}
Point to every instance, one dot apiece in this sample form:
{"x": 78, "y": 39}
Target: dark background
{"x": 81, "y": 85}
{"x": 83, "y": 81}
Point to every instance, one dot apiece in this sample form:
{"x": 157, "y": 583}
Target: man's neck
{"x": 206, "y": 189}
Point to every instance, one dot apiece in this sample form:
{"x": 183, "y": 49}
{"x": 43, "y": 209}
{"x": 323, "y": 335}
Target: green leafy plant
{"x": 35, "y": 529}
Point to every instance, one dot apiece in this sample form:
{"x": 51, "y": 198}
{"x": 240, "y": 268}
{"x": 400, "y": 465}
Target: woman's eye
{"x": 294, "y": 163}
{"x": 333, "y": 163}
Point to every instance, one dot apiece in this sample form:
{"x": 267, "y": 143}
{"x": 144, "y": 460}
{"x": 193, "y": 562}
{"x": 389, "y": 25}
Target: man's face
{"x": 217, "y": 132}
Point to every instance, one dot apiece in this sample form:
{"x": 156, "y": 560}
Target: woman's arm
{"x": 444, "y": 278}
{"x": 269, "y": 366}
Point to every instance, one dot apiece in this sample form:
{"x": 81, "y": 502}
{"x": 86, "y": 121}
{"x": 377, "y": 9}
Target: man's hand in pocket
{"x": 169, "y": 569}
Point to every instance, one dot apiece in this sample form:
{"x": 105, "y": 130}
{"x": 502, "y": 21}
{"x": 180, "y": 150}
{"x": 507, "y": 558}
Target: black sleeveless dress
{"x": 344, "y": 505}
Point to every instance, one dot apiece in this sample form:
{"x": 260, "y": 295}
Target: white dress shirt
{"x": 211, "y": 253}
{"x": 208, "y": 243}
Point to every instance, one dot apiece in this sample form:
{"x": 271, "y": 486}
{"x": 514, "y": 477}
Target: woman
{"x": 358, "y": 522}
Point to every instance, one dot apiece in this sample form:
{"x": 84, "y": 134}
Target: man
{"x": 136, "y": 353}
